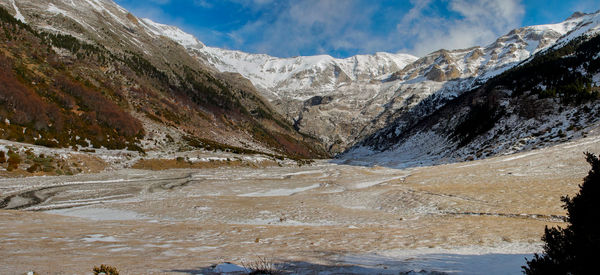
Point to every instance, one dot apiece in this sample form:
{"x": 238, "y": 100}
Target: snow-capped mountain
{"x": 146, "y": 69}
{"x": 550, "y": 97}
{"x": 291, "y": 75}
{"x": 340, "y": 101}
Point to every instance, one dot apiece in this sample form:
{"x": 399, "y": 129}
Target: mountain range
{"x": 386, "y": 108}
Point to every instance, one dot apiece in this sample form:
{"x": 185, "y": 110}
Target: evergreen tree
{"x": 572, "y": 250}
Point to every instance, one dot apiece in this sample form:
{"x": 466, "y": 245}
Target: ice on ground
{"x": 99, "y": 238}
{"x": 229, "y": 268}
{"x": 279, "y": 192}
{"x": 367, "y": 184}
{"x": 98, "y": 214}
{"x": 519, "y": 156}
{"x": 503, "y": 259}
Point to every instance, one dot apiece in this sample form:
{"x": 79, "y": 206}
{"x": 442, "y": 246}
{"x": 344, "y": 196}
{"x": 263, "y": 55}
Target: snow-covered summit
{"x": 344, "y": 100}
{"x": 338, "y": 100}
{"x": 176, "y": 34}
{"x": 271, "y": 72}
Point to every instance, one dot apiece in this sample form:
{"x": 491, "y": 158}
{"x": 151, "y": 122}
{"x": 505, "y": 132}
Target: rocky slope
{"x": 145, "y": 85}
{"x": 365, "y": 99}
{"x": 344, "y": 100}
{"x": 549, "y": 98}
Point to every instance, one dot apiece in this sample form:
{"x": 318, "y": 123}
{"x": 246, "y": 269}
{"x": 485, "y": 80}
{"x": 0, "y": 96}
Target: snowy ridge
{"x": 269, "y": 72}
{"x": 174, "y": 33}
{"x": 340, "y": 101}
{"x": 370, "y": 89}
{"x": 418, "y": 139}
{"x": 272, "y": 72}
{"x": 588, "y": 24}
{"x": 486, "y": 62}
{"x": 56, "y": 10}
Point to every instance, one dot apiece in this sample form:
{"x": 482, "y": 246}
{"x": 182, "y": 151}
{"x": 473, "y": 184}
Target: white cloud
{"x": 587, "y": 6}
{"x": 300, "y": 27}
{"x": 297, "y": 27}
{"x": 325, "y": 25}
{"x": 203, "y": 3}
{"x": 478, "y": 23}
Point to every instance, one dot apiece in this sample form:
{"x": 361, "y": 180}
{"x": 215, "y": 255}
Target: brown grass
{"x": 165, "y": 164}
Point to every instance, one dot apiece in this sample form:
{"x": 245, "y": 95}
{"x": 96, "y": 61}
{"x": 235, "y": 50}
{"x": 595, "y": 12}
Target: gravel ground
{"x": 313, "y": 219}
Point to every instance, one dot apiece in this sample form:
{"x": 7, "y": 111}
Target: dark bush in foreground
{"x": 574, "y": 249}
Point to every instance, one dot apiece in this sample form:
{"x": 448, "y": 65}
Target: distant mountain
{"x": 343, "y": 101}
{"x": 548, "y": 98}
{"x": 88, "y": 73}
{"x": 173, "y": 84}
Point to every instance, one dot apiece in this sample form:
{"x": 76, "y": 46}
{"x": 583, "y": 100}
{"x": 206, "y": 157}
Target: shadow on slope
{"x": 381, "y": 147}
{"x": 552, "y": 98}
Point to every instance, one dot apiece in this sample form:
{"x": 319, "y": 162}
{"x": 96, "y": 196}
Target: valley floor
{"x": 323, "y": 218}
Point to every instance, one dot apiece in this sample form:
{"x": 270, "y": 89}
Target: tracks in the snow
{"x": 29, "y": 198}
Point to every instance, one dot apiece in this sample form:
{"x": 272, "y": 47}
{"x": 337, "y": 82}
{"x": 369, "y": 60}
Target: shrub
{"x": 572, "y": 250}
{"x": 262, "y": 265}
{"x": 13, "y": 160}
{"x": 106, "y": 269}
{"x": 33, "y": 168}
{"x": 2, "y": 157}
{"x": 480, "y": 119}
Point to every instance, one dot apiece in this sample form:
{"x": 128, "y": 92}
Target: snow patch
{"x": 280, "y": 192}
{"x": 98, "y": 214}
{"x": 54, "y": 9}
{"x": 18, "y": 14}
{"x": 99, "y": 238}
{"x": 229, "y": 268}
{"x": 174, "y": 33}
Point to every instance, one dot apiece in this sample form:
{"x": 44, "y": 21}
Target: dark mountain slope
{"x": 57, "y": 90}
{"x": 550, "y": 98}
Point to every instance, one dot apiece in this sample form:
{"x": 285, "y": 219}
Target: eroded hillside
{"x": 62, "y": 91}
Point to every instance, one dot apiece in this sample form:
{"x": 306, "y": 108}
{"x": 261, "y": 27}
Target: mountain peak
{"x": 576, "y": 15}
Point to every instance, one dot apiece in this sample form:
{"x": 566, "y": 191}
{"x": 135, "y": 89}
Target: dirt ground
{"x": 321, "y": 217}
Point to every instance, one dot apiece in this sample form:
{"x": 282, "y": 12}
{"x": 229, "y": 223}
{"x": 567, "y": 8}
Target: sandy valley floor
{"x": 322, "y": 218}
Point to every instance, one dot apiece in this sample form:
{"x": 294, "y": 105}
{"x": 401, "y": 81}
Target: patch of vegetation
{"x": 179, "y": 163}
{"x": 262, "y": 266}
{"x": 142, "y": 66}
{"x": 480, "y": 119}
{"x": 52, "y": 108}
{"x": 211, "y": 145}
{"x": 572, "y": 250}
{"x": 13, "y": 160}
{"x": 106, "y": 269}
{"x": 559, "y": 72}
{"x": 205, "y": 90}
{"x": 6, "y": 17}
{"x": 56, "y": 100}
{"x": 71, "y": 43}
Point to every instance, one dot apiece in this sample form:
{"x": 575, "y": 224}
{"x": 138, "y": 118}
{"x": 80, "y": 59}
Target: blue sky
{"x": 343, "y": 28}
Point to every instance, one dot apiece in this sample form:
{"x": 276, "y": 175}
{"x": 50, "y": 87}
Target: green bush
{"x": 13, "y": 160}
{"x": 573, "y": 250}
{"x": 480, "y": 119}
